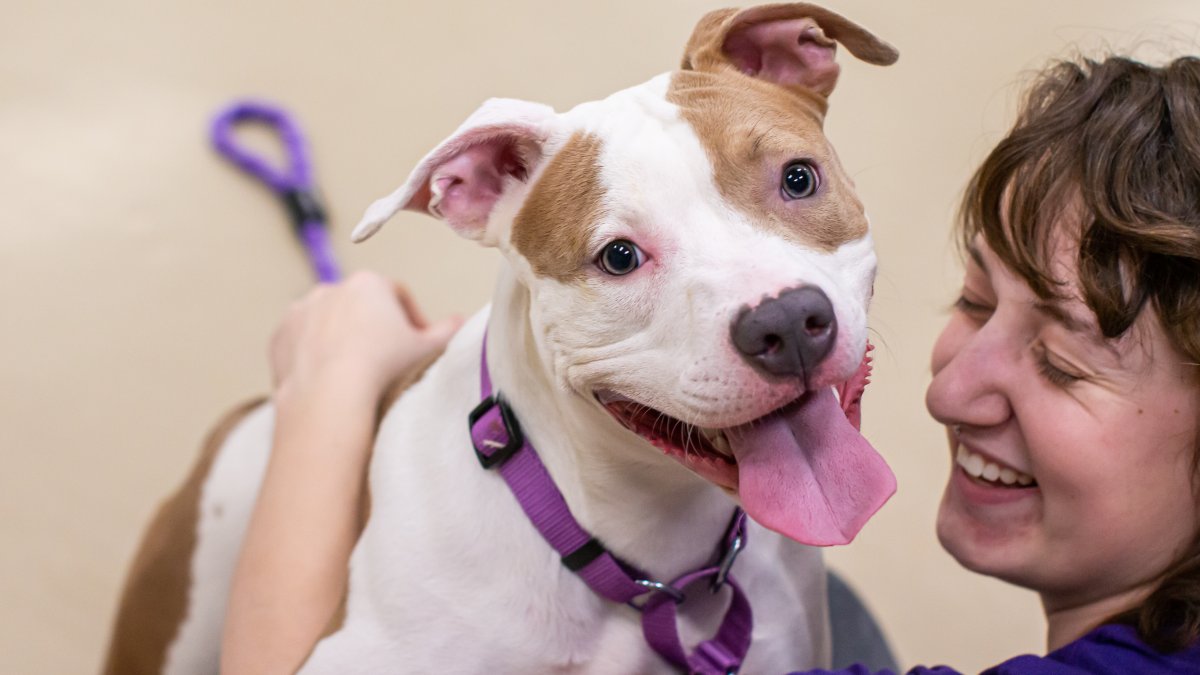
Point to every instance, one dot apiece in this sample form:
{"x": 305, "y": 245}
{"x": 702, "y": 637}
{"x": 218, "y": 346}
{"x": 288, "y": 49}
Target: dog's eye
{"x": 620, "y": 257}
{"x": 799, "y": 180}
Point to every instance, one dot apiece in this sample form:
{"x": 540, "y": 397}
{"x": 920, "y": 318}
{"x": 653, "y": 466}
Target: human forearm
{"x": 292, "y": 570}
{"x": 332, "y": 357}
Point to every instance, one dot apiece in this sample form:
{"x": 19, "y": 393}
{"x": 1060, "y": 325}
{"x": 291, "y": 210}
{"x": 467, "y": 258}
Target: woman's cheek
{"x": 954, "y": 334}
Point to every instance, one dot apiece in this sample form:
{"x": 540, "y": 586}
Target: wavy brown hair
{"x": 1120, "y": 141}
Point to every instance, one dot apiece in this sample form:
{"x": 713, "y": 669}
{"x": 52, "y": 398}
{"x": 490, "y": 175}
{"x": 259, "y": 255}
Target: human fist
{"x": 363, "y": 333}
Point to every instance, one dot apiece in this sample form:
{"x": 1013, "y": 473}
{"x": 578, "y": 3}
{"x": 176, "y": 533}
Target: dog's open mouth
{"x": 802, "y": 470}
{"x": 705, "y": 451}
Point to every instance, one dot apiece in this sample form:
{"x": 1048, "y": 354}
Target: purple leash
{"x": 500, "y": 445}
{"x": 294, "y": 186}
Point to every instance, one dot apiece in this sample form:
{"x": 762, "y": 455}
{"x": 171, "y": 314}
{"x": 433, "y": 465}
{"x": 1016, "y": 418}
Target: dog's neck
{"x": 644, "y": 506}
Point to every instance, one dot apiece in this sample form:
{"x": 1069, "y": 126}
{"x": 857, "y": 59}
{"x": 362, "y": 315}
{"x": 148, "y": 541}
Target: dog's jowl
{"x": 680, "y": 330}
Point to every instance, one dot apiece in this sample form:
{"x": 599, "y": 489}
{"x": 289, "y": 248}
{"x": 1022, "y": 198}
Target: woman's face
{"x": 1071, "y": 455}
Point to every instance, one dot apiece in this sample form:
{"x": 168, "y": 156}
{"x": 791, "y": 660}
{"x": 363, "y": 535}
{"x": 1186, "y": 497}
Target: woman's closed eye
{"x": 972, "y": 308}
{"x": 1057, "y": 374}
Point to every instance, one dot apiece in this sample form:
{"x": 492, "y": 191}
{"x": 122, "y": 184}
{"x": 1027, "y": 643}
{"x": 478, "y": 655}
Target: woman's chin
{"x": 983, "y": 545}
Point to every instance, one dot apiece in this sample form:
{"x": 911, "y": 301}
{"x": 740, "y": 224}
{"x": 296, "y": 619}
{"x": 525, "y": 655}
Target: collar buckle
{"x": 495, "y": 453}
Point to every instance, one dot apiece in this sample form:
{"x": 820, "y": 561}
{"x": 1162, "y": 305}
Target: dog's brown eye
{"x": 620, "y": 257}
{"x": 799, "y": 180}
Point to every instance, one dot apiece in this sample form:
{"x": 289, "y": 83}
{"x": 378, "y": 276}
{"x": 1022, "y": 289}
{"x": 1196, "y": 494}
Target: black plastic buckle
{"x": 304, "y": 206}
{"x": 511, "y": 427}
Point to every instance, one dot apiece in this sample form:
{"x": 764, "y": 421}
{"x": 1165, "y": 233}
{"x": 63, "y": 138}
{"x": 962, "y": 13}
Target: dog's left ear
{"x": 460, "y": 181}
{"x": 789, "y": 44}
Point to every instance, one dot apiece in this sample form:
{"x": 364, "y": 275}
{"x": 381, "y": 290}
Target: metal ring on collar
{"x": 731, "y": 554}
{"x": 675, "y": 594}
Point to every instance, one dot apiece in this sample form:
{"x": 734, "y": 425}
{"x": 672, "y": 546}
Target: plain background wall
{"x": 141, "y": 276}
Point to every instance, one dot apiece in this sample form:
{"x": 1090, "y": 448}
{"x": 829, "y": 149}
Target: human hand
{"x": 360, "y": 333}
{"x": 332, "y": 356}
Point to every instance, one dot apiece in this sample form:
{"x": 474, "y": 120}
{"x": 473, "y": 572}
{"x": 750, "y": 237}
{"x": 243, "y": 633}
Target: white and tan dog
{"x": 688, "y": 276}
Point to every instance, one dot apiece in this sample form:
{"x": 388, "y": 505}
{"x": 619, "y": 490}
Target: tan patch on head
{"x": 552, "y": 229}
{"x": 154, "y": 601}
{"x": 750, "y": 131}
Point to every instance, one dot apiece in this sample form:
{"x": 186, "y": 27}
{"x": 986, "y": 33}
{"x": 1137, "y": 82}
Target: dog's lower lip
{"x": 706, "y": 451}
{"x": 667, "y": 433}
{"x": 606, "y": 398}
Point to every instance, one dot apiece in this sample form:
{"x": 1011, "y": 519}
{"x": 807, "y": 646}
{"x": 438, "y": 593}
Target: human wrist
{"x": 320, "y": 416}
{"x": 345, "y": 383}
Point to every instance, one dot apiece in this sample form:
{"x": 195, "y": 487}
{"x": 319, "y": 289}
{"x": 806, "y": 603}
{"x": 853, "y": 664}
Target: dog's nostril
{"x": 815, "y": 325}
{"x": 773, "y": 343}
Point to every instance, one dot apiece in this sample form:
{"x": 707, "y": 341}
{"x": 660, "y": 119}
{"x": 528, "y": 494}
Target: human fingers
{"x": 408, "y": 303}
{"x": 296, "y": 328}
{"x": 439, "y": 333}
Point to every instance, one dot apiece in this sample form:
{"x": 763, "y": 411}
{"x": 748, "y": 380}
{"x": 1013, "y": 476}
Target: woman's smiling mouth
{"x": 991, "y": 473}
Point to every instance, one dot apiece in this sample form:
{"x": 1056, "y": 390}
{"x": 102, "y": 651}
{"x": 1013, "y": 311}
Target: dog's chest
{"x": 449, "y": 564}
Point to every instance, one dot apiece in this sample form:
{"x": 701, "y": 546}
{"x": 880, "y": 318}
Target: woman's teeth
{"x": 978, "y": 467}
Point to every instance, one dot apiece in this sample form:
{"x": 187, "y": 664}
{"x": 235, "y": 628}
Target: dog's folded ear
{"x": 790, "y": 44}
{"x": 463, "y": 178}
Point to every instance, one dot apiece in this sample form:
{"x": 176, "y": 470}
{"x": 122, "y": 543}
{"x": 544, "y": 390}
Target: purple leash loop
{"x": 500, "y": 445}
{"x": 294, "y": 186}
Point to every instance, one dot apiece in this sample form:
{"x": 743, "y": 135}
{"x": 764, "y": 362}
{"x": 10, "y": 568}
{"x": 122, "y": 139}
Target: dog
{"x": 680, "y": 330}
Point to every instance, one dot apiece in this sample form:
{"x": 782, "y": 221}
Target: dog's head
{"x": 697, "y": 260}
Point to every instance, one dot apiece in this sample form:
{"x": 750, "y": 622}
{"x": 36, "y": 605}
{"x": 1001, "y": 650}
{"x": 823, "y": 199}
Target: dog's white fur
{"x": 449, "y": 575}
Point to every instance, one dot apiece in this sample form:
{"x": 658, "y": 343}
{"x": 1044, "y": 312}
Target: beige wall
{"x": 141, "y": 276}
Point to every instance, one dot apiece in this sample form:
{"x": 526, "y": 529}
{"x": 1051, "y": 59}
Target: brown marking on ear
{"x": 552, "y": 229}
{"x": 393, "y": 393}
{"x": 709, "y": 34}
{"x": 750, "y": 130}
{"x": 706, "y": 47}
{"x": 154, "y": 601}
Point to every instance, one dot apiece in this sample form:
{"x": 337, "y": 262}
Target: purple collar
{"x": 499, "y": 444}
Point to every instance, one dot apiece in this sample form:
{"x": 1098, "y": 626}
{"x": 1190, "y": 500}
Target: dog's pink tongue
{"x": 808, "y": 474}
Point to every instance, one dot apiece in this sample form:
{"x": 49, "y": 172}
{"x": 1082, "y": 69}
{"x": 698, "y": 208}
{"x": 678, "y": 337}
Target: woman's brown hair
{"x": 1119, "y": 142}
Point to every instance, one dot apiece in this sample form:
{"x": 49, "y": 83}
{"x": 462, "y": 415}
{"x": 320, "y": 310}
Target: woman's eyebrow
{"x": 1069, "y": 321}
{"x": 1075, "y": 324}
{"x": 976, "y": 256}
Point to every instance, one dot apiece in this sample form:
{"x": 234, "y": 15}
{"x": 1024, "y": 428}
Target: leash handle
{"x": 293, "y": 185}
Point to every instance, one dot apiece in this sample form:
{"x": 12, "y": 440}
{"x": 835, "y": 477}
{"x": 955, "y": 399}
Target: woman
{"x": 1066, "y": 378}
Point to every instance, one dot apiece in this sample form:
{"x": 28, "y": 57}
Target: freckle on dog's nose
{"x": 789, "y": 334}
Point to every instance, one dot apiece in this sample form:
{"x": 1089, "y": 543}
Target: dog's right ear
{"x": 460, "y": 181}
{"x": 790, "y": 44}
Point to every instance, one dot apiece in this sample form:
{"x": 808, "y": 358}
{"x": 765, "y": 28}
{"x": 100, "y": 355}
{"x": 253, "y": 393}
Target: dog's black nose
{"x": 789, "y": 334}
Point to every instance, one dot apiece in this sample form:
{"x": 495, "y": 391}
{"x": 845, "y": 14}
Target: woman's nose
{"x": 971, "y": 377}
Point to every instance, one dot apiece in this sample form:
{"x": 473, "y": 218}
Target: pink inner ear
{"x": 795, "y": 52}
{"x": 464, "y": 189}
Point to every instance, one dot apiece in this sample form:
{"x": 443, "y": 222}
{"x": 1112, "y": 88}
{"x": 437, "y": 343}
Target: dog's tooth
{"x": 721, "y": 444}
